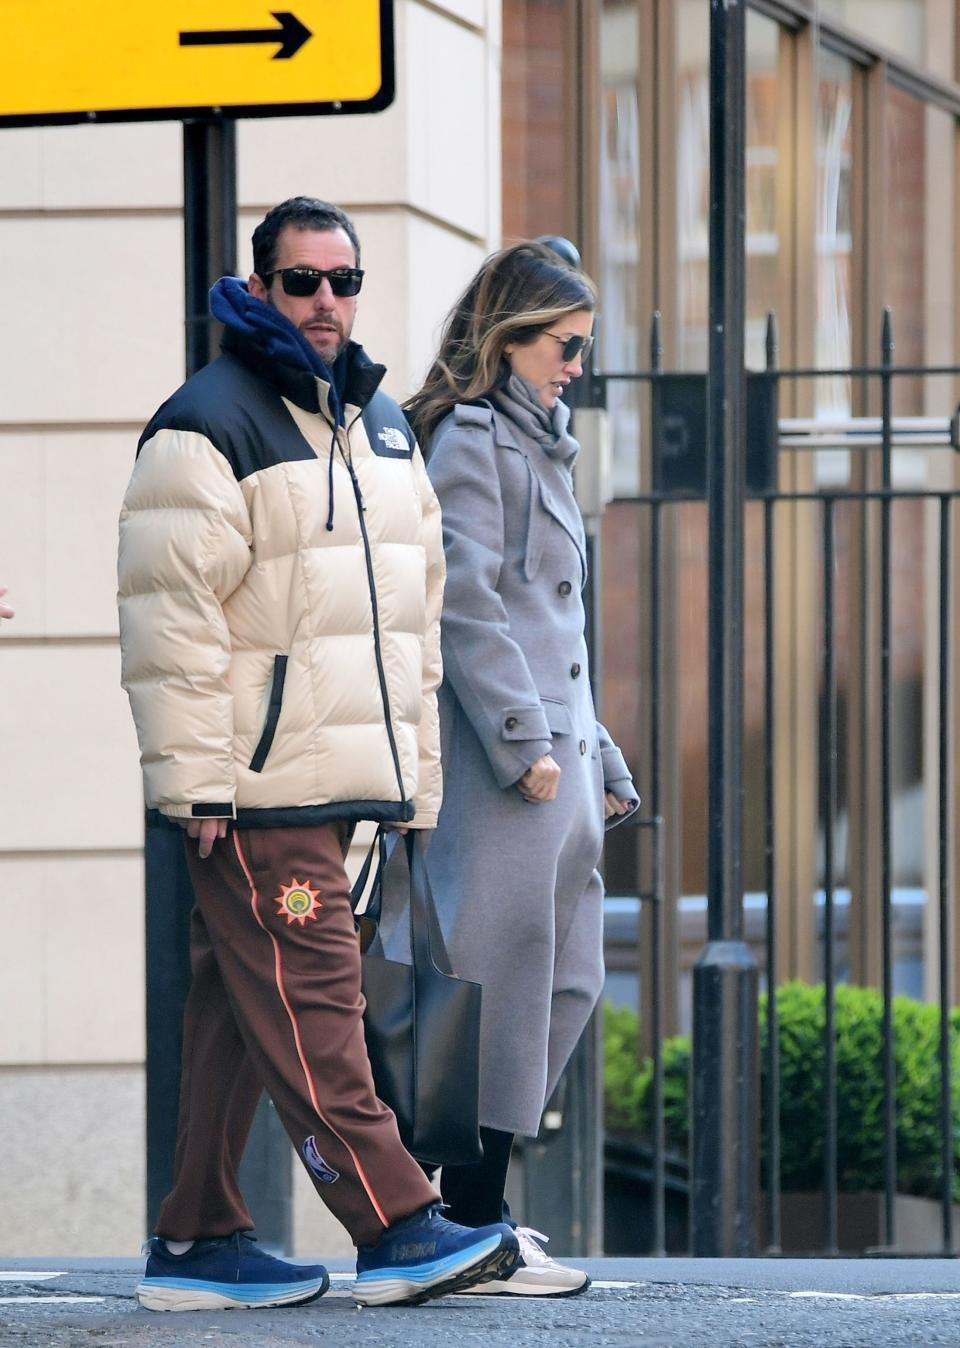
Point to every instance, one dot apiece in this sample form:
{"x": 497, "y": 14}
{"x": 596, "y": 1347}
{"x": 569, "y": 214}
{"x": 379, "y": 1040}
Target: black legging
{"x": 475, "y": 1193}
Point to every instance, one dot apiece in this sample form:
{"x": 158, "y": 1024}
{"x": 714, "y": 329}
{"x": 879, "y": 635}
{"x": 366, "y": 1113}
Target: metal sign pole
{"x": 725, "y": 1058}
{"x": 209, "y": 228}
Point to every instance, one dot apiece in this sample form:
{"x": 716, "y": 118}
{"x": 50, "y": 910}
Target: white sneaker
{"x": 537, "y": 1275}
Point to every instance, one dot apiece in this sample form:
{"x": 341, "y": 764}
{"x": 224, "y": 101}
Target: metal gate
{"x": 856, "y": 547}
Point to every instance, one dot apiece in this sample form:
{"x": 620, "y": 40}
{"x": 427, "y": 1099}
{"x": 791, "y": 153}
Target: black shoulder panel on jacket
{"x": 387, "y": 428}
{"x": 241, "y": 414}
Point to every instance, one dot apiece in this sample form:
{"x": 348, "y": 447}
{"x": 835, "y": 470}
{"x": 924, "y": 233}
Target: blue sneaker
{"x": 424, "y": 1256}
{"x": 226, "y": 1274}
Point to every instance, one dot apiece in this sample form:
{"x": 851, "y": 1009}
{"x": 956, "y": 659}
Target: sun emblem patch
{"x": 298, "y": 902}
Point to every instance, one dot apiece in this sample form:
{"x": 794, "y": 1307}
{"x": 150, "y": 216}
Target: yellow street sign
{"x": 117, "y": 60}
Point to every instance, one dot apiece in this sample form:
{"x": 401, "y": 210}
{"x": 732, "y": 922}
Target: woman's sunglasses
{"x": 306, "y": 281}
{"x": 573, "y": 346}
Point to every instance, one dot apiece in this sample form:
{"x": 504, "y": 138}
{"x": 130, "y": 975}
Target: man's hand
{"x": 207, "y": 830}
{"x": 540, "y": 781}
{"x": 5, "y": 610}
{"x": 612, "y": 806}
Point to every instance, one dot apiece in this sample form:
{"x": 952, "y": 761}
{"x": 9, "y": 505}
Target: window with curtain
{"x": 693, "y": 180}
{"x": 834, "y": 336}
{"x": 919, "y": 282}
{"x": 620, "y": 324}
{"x": 905, "y": 242}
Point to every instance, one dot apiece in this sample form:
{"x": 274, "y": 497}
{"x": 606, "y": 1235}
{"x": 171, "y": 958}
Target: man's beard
{"x": 330, "y": 324}
{"x": 341, "y": 341}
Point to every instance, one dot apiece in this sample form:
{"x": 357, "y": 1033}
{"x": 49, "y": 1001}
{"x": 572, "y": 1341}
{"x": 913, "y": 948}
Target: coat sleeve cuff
{"x": 617, "y": 779}
{"x": 615, "y": 771}
{"x": 524, "y": 723}
{"x": 221, "y": 810}
{"x": 510, "y": 761}
{"x": 514, "y": 738}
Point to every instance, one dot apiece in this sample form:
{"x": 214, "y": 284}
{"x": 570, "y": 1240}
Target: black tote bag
{"x": 422, "y": 1025}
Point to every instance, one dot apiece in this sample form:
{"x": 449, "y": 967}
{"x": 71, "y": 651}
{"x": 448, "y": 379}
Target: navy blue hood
{"x": 277, "y": 338}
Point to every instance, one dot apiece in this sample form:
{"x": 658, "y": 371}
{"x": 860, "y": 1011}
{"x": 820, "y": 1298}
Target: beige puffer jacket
{"x": 281, "y": 649}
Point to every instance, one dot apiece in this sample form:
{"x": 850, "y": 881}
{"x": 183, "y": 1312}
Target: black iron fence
{"x": 869, "y": 548}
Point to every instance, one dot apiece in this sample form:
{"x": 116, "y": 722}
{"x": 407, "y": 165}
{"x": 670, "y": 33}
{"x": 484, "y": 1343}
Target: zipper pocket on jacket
{"x": 273, "y": 714}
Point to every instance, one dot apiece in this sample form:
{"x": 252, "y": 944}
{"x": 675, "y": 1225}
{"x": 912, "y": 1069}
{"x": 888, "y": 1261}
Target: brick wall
{"x": 533, "y": 118}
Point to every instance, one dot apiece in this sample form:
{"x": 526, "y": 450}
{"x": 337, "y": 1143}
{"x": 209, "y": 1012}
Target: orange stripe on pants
{"x": 277, "y": 976}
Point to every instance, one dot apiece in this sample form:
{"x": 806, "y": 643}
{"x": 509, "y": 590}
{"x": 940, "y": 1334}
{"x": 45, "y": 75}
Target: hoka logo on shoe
{"x": 316, "y": 1164}
{"x": 409, "y": 1253}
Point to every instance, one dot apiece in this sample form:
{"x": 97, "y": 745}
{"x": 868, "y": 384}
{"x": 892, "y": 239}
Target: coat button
{"x": 574, "y": 671}
{"x": 583, "y": 746}
{"x": 510, "y": 723}
{"x": 564, "y": 588}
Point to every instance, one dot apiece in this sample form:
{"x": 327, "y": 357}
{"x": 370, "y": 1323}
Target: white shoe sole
{"x": 476, "y": 1265}
{"x": 523, "y": 1283}
{"x": 180, "y": 1295}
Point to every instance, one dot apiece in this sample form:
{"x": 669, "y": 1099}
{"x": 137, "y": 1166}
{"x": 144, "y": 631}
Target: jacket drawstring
{"x": 333, "y": 450}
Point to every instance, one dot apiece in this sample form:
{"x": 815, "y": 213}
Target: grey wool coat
{"x": 516, "y": 884}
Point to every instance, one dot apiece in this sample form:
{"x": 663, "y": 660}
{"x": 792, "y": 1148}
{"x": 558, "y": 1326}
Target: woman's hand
{"x": 540, "y": 781}
{"x": 612, "y": 806}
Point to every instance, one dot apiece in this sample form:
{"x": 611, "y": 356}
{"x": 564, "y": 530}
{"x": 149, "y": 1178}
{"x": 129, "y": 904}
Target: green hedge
{"x": 858, "y": 1020}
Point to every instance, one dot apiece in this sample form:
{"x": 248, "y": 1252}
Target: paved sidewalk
{"x": 764, "y": 1303}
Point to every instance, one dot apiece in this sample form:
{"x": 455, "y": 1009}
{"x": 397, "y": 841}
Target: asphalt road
{"x": 762, "y": 1303}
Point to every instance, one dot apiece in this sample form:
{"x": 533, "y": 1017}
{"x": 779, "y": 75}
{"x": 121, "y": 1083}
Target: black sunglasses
{"x": 306, "y": 281}
{"x": 573, "y": 346}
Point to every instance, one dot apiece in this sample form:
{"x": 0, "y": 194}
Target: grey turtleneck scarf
{"x": 519, "y": 400}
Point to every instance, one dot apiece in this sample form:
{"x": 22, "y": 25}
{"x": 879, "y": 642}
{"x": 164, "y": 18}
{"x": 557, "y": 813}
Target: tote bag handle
{"x": 428, "y": 949}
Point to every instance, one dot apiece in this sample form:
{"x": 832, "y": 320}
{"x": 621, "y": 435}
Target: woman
{"x": 529, "y": 774}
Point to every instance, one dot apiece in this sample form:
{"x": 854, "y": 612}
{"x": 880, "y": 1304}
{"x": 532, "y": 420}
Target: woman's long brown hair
{"x": 515, "y": 296}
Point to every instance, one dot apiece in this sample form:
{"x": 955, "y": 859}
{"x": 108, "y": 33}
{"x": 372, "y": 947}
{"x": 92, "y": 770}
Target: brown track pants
{"x": 275, "y": 1003}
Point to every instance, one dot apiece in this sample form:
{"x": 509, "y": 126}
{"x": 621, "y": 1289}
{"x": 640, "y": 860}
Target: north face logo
{"x": 394, "y": 439}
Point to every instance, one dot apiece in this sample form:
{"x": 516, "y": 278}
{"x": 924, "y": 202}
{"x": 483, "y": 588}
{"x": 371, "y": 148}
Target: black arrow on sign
{"x": 291, "y": 35}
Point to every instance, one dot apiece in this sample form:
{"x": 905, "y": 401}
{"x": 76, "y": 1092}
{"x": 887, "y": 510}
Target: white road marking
{"x": 916, "y": 1296}
{"x": 26, "y": 1275}
{"x": 40, "y": 1298}
{"x": 879, "y": 1296}
{"x": 43, "y": 1300}
{"x": 831, "y": 1296}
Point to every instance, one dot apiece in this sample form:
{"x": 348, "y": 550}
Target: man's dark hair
{"x": 299, "y": 213}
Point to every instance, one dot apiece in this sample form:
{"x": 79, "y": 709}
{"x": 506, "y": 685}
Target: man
{"x": 281, "y": 572}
